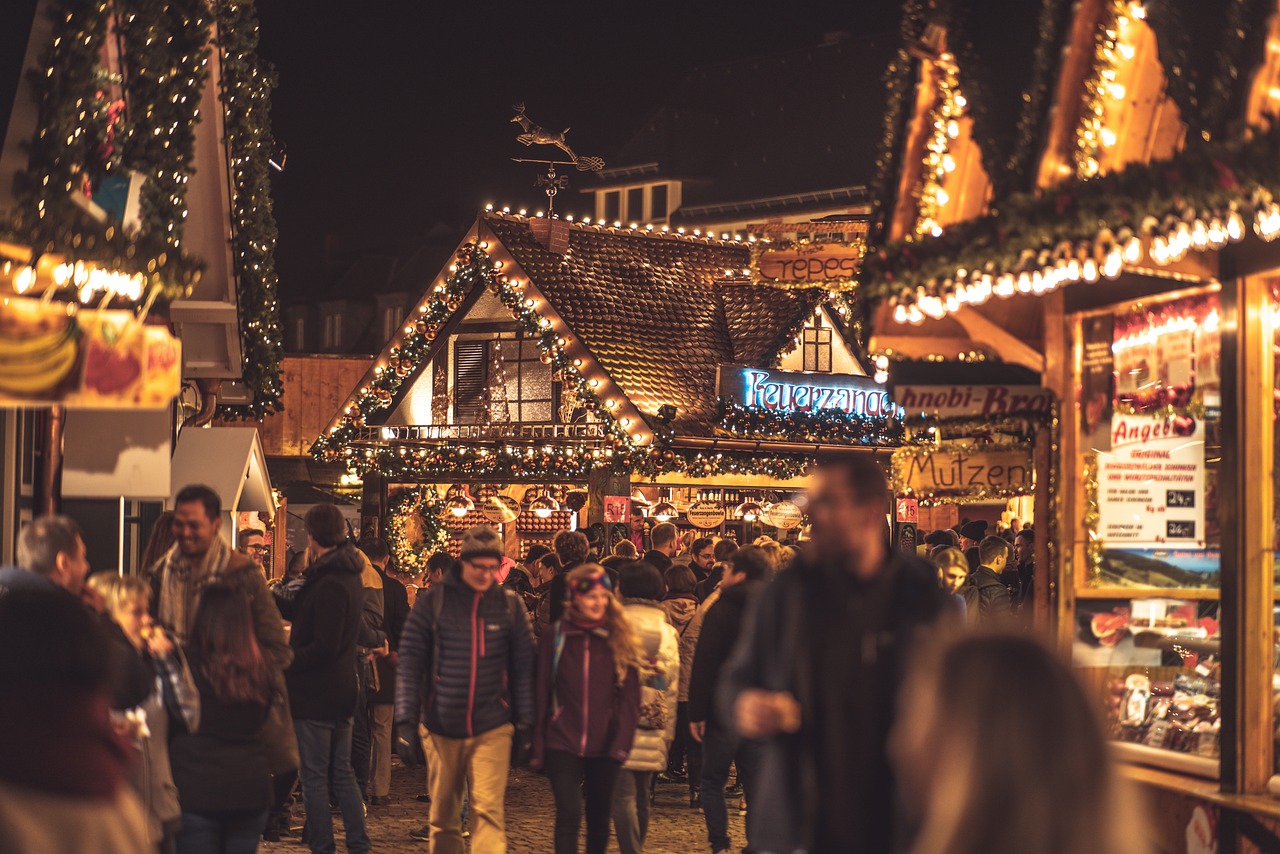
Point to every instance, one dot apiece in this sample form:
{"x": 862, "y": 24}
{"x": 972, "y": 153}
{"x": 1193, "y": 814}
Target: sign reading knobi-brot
{"x": 797, "y": 391}
{"x": 950, "y": 401}
{"x": 1151, "y": 484}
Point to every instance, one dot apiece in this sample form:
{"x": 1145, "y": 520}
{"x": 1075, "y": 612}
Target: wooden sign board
{"x": 810, "y": 265}
{"x": 961, "y": 473}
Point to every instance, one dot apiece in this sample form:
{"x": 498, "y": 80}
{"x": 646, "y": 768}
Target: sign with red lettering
{"x": 804, "y": 391}
{"x": 617, "y": 508}
{"x": 1151, "y": 484}
{"x": 908, "y": 510}
{"x": 957, "y": 401}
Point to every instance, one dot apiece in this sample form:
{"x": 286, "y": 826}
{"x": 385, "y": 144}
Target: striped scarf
{"x": 182, "y": 582}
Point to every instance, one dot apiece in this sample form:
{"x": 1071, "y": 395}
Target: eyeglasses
{"x": 705, "y": 555}
{"x": 588, "y": 583}
{"x": 256, "y": 549}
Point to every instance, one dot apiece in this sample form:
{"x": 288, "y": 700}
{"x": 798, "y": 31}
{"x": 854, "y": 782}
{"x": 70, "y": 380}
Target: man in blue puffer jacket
{"x": 466, "y": 668}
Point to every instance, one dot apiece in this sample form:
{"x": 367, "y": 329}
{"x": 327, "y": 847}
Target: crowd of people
{"x": 836, "y": 694}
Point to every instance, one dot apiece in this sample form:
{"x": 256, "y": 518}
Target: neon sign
{"x": 795, "y": 391}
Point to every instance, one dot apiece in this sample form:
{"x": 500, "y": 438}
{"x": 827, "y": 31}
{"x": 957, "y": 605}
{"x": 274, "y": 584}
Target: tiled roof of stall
{"x": 655, "y": 312}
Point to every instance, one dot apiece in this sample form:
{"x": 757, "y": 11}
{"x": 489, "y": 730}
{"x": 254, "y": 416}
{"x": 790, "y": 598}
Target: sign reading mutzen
{"x": 796, "y": 391}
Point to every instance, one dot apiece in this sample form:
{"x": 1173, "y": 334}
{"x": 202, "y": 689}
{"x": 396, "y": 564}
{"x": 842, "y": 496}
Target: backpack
{"x": 972, "y": 593}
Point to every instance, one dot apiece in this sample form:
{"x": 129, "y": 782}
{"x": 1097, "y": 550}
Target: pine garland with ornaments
{"x": 415, "y": 528}
{"x": 1202, "y": 199}
{"x": 823, "y": 425}
{"x": 246, "y": 100}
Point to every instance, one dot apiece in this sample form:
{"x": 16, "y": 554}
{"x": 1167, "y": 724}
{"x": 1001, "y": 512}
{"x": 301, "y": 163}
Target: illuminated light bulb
{"x": 24, "y": 279}
{"x": 1024, "y": 283}
{"x": 1005, "y": 286}
{"x": 1111, "y": 267}
{"x": 408, "y": 329}
{"x": 1089, "y": 270}
{"x": 577, "y": 363}
{"x": 1126, "y": 50}
{"x": 953, "y": 129}
{"x": 611, "y": 403}
{"x": 952, "y": 303}
{"x": 1073, "y": 270}
{"x": 1136, "y": 10}
{"x": 900, "y": 313}
{"x": 1040, "y": 282}
{"x": 948, "y": 163}
{"x": 1133, "y": 250}
{"x": 61, "y": 274}
{"x": 1199, "y": 235}
{"x": 1108, "y": 137}
{"x": 594, "y": 383}
{"x": 489, "y": 206}
{"x": 936, "y": 231}
{"x": 881, "y": 376}
{"x": 960, "y": 101}
{"x": 1235, "y": 226}
{"x": 524, "y": 212}
{"x": 626, "y": 422}
{"x": 915, "y": 316}
{"x": 1216, "y": 235}
{"x": 942, "y": 196}
{"x": 1116, "y": 91}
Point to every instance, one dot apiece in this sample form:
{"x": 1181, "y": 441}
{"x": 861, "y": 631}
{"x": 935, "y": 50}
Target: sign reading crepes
{"x": 962, "y": 473}
{"x": 952, "y": 401}
{"x": 798, "y": 391}
{"x": 816, "y": 264}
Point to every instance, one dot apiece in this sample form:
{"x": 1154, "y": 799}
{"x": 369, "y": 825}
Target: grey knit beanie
{"x": 481, "y": 541}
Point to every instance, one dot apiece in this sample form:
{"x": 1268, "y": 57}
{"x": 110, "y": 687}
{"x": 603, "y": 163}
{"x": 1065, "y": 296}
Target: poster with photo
{"x": 1097, "y": 380}
{"x": 1151, "y": 485}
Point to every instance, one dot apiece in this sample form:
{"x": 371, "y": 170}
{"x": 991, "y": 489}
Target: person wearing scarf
{"x": 588, "y": 707}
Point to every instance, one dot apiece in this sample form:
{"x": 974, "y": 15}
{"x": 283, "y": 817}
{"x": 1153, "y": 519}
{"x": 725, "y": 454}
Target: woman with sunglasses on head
{"x": 588, "y": 706}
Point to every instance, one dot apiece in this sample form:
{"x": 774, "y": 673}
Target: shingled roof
{"x": 655, "y": 312}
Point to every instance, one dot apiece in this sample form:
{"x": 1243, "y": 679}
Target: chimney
{"x": 553, "y": 234}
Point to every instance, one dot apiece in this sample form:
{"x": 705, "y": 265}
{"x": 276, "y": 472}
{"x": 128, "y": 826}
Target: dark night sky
{"x": 396, "y": 115}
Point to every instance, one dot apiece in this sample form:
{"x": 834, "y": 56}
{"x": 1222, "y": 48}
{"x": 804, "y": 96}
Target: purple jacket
{"x": 585, "y": 712}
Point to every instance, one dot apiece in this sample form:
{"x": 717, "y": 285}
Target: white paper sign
{"x": 1151, "y": 484}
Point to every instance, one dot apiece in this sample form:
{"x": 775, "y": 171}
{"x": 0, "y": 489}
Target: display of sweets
{"x": 1183, "y": 715}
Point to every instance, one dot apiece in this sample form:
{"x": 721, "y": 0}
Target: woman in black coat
{"x": 221, "y": 770}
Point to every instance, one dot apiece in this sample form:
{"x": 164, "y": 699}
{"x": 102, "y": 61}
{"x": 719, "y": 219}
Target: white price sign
{"x": 1151, "y": 484}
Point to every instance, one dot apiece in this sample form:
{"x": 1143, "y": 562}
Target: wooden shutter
{"x": 470, "y": 379}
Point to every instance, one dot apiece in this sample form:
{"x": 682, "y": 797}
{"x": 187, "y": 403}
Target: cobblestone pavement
{"x": 673, "y": 827}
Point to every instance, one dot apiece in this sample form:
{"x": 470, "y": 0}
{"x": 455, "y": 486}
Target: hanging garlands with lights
{"x": 1113, "y": 47}
{"x": 246, "y": 99}
{"x": 1203, "y": 199}
{"x": 823, "y": 425}
{"x": 945, "y": 117}
{"x": 415, "y": 528}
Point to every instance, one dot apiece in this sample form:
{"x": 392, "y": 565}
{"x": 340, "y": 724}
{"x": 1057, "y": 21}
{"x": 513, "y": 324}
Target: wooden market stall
{"x": 556, "y": 371}
{"x": 1137, "y": 237}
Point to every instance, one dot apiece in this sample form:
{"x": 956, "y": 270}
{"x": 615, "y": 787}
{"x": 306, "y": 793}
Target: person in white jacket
{"x": 642, "y": 590}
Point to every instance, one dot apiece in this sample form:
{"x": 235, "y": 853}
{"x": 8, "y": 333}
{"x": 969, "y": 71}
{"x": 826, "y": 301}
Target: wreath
{"x": 415, "y": 529}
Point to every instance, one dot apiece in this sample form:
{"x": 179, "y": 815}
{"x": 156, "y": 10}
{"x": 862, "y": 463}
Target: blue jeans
{"x": 220, "y": 832}
{"x": 317, "y": 742}
{"x": 720, "y": 749}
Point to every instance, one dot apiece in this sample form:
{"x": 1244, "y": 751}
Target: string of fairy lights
{"x": 1104, "y": 93}
{"x": 944, "y": 126}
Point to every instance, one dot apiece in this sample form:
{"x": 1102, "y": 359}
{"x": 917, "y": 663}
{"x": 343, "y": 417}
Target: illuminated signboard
{"x": 796, "y": 391}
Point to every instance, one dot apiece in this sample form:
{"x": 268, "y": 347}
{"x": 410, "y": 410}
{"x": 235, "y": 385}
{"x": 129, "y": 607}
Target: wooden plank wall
{"x": 315, "y": 386}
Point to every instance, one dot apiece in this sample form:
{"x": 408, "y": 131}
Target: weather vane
{"x": 551, "y": 182}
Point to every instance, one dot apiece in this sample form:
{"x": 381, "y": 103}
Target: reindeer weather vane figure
{"x": 532, "y": 134}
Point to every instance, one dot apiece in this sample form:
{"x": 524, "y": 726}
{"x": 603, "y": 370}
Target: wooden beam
{"x": 1008, "y": 347}
{"x": 1246, "y": 486}
{"x": 1053, "y": 605}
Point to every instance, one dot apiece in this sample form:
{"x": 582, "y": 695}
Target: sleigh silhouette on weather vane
{"x": 534, "y": 134}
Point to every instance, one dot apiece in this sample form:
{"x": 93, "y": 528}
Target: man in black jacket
{"x": 816, "y": 673}
{"x": 746, "y": 574}
{"x": 986, "y": 597}
{"x": 665, "y": 538}
{"x": 468, "y": 648}
{"x": 327, "y": 616}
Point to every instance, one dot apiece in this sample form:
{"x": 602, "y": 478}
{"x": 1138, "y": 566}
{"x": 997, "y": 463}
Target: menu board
{"x": 1151, "y": 486}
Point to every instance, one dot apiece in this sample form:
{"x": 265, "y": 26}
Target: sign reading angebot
{"x": 1151, "y": 484}
{"x": 705, "y": 514}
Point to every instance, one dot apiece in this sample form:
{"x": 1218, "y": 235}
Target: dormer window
{"x": 816, "y": 349}
{"x": 657, "y": 202}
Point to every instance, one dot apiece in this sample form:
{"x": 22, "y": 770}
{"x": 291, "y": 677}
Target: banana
{"x": 35, "y": 346}
{"x": 35, "y": 376}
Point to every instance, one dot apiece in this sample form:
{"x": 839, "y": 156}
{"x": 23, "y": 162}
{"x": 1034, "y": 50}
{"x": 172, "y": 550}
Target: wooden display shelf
{"x": 1146, "y": 593}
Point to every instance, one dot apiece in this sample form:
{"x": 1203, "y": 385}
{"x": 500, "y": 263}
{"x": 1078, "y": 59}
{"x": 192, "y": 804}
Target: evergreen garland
{"x": 167, "y": 45}
{"x": 246, "y": 100}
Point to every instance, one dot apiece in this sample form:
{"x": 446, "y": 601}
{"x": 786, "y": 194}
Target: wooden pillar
{"x": 1058, "y": 519}
{"x": 1246, "y": 515}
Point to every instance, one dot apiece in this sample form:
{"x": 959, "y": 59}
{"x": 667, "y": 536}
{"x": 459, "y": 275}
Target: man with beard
{"x": 815, "y": 675}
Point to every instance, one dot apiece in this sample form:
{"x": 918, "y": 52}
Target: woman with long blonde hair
{"x": 999, "y": 751}
{"x": 588, "y": 706}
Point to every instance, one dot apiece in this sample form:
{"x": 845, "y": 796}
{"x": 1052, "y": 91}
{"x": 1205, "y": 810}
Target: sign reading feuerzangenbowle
{"x": 799, "y": 391}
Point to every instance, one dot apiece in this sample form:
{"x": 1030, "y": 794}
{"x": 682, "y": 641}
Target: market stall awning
{"x": 230, "y": 461}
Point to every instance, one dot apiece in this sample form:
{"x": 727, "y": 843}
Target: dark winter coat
{"x": 581, "y": 707}
{"x": 223, "y": 765}
{"x": 395, "y": 612}
{"x": 987, "y": 600}
{"x": 776, "y": 651}
{"x": 466, "y": 661}
{"x": 720, "y": 630}
{"x": 658, "y": 561}
{"x": 327, "y": 615}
